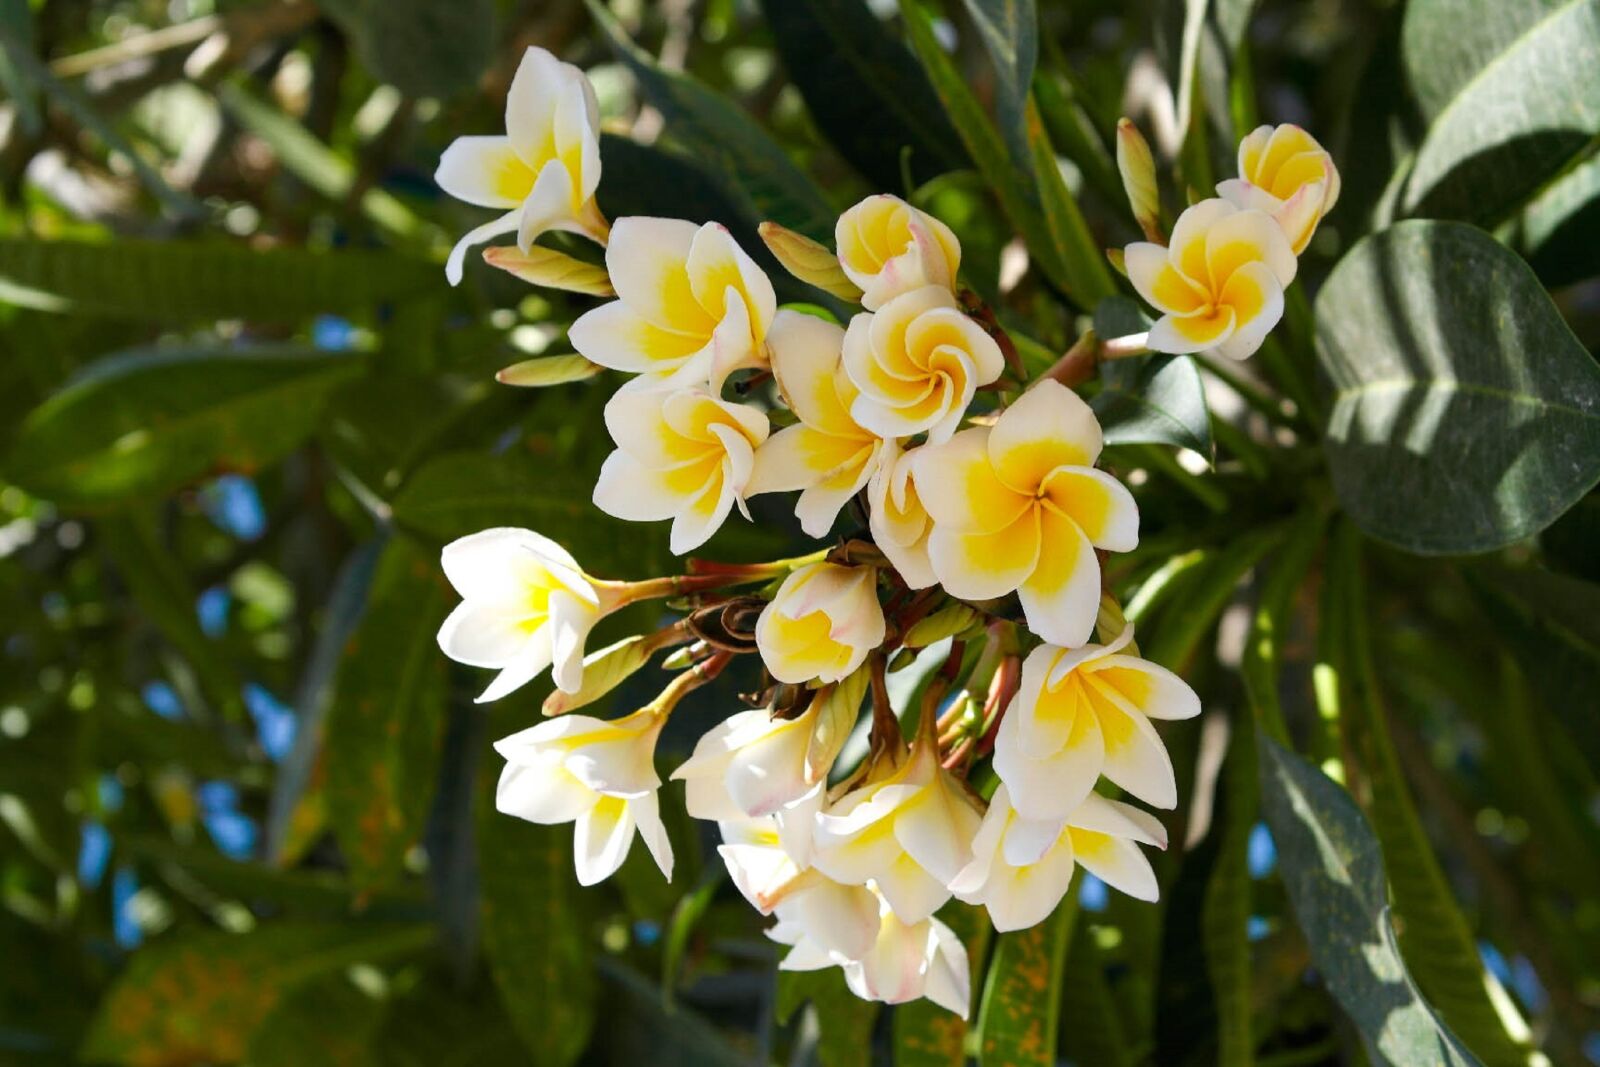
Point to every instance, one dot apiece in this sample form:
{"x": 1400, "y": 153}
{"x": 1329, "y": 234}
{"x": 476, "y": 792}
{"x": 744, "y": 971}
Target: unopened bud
{"x": 1118, "y": 260}
{"x": 551, "y": 269}
{"x": 809, "y": 261}
{"x": 1138, "y": 170}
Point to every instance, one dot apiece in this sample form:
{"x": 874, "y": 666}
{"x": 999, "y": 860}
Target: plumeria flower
{"x": 754, "y": 764}
{"x": 526, "y": 605}
{"x": 1019, "y": 506}
{"x": 691, "y": 306}
{"x": 1021, "y": 868}
{"x": 909, "y": 833}
{"x": 600, "y": 775}
{"x": 828, "y": 456}
{"x": 1284, "y": 172}
{"x": 683, "y": 455}
{"x": 825, "y": 923}
{"x": 887, "y": 247}
{"x": 821, "y": 623}
{"x": 917, "y": 361}
{"x": 1084, "y": 712}
{"x": 900, "y": 524}
{"x": 543, "y": 172}
{"x": 769, "y": 858}
{"x": 904, "y": 961}
{"x": 1220, "y": 284}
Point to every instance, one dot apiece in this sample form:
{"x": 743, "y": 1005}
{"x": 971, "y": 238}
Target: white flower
{"x": 828, "y": 456}
{"x": 683, "y": 455}
{"x": 917, "y": 361}
{"x": 909, "y": 833}
{"x": 900, "y": 524}
{"x": 887, "y": 247}
{"x": 526, "y": 605}
{"x": 691, "y": 306}
{"x": 821, "y": 624}
{"x": 596, "y": 773}
{"x": 1284, "y": 172}
{"x": 769, "y": 858}
{"x": 1084, "y": 712}
{"x": 544, "y": 169}
{"x": 902, "y": 961}
{"x": 1021, "y": 868}
{"x": 753, "y": 763}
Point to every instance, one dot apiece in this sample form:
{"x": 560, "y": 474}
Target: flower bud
{"x": 887, "y": 247}
{"x": 1138, "y": 169}
{"x": 821, "y": 624}
{"x": 809, "y": 260}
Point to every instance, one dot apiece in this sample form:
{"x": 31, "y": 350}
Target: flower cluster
{"x": 985, "y": 515}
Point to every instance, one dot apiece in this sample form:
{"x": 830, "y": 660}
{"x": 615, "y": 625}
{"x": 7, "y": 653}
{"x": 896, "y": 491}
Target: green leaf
{"x": 461, "y": 493}
{"x": 1022, "y": 996}
{"x": 926, "y": 1035}
{"x": 1332, "y": 868}
{"x": 653, "y": 1034}
{"x": 1560, "y": 229}
{"x": 1205, "y": 592}
{"x": 1466, "y": 414}
{"x": 1092, "y": 1030}
{"x": 1435, "y": 940}
{"x": 750, "y": 167}
{"x": 533, "y": 932}
{"x": 1225, "y": 913}
{"x": 1515, "y": 94}
{"x": 844, "y": 1020}
{"x": 865, "y": 91}
{"x": 329, "y": 1022}
{"x": 1269, "y": 625}
{"x": 144, "y": 423}
{"x": 383, "y": 728}
{"x": 1009, "y": 30}
{"x": 16, "y": 27}
{"x": 1086, "y": 276}
{"x": 199, "y": 997}
{"x": 187, "y": 281}
{"x": 421, "y": 47}
{"x": 1154, "y": 399}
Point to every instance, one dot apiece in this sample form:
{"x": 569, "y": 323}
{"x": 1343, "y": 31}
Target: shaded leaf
{"x": 844, "y": 1020}
{"x": 1332, "y": 868}
{"x": 1086, "y": 277}
{"x": 1517, "y": 92}
{"x": 421, "y": 47}
{"x": 199, "y": 997}
{"x": 865, "y": 91}
{"x": 1022, "y": 995}
{"x": 183, "y": 281}
{"x": 383, "y": 727}
{"x": 1010, "y": 32}
{"x": 330, "y": 1022}
{"x": 1560, "y": 229}
{"x": 147, "y": 422}
{"x": 1466, "y": 414}
{"x": 1156, "y": 399}
{"x": 751, "y": 169}
{"x": 1225, "y": 911}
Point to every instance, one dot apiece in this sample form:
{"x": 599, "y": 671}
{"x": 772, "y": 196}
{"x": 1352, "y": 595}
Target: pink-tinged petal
{"x": 1101, "y": 506}
{"x": 1298, "y": 216}
{"x": 1027, "y": 840}
{"x": 733, "y": 345}
{"x": 841, "y": 918}
{"x": 484, "y": 171}
{"x": 601, "y": 839}
{"x": 1048, "y": 427}
{"x": 1061, "y": 598}
{"x": 949, "y": 976}
{"x": 455, "y": 264}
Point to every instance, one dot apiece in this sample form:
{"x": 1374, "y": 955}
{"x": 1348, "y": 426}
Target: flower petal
{"x": 646, "y": 813}
{"x": 601, "y": 839}
{"x": 455, "y": 263}
{"x": 982, "y": 566}
{"x": 958, "y": 485}
{"x": 483, "y": 634}
{"x": 1061, "y": 598}
{"x": 1256, "y": 298}
{"x": 541, "y": 792}
{"x": 1048, "y": 427}
{"x": 484, "y": 171}
{"x": 646, "y": 258}
{"x": 716, "y": 264}
{"x": 1151, "y": 271}
{"x": 1101, "y": 506}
